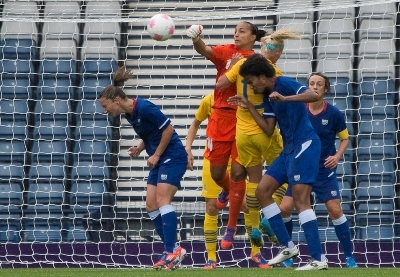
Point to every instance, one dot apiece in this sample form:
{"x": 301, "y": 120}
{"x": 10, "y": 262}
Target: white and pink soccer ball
{"x": 161, "y": 27}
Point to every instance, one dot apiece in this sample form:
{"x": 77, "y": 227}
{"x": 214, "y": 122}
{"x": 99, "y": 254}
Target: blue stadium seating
{"x": 11, "y": 174}
{"x": 375, "y": 232}
{"x": 92, "y": 151}
{"x": 90, "y": 110}
{"x": 77, "y": 233}
{"x": 58, "y": 69}
{"x": 11, "y": 196}
{"x": 376, "y": 171}
{"x": 376, "y": 107}
{"x": 18, "y": 49}
{"x": 378, "y": 88}
{"x": 40, "y": 233}
{"x": 15, "y": 88}
{"x": 55, "y": 89}
{"x": 52, "y": 110}
{"x": 12, "y": 151}
{"x": 378, "y": 128}
{"x": 47, "y": 172}
{"x": 14, "y": 130}
{"x": 50, "y": 131}
{"x": 382, "y": 191}
{"x": 50, "y": 151}
{"x": 16, "y": 69}
{"x": 88, "y": 197}
{"x": 90, "y": 171}
{"x": 13, "y": 110}
{"x": 45, "y": 193}
{"x": 344, "y": 172}
{"x": 376, "y": 149}
{"x": 98, "y": 67}
{"x": 93, "y": 130}
{"x": 10, "y": 233}
{"x": 90, "y": 88}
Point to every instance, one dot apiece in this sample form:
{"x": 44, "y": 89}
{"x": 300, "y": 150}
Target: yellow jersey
{"x": 205, "y": 108}
{"x": 245, "y": 122}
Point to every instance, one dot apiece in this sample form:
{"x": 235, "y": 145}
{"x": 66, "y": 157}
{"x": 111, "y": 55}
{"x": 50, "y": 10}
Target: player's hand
{"x": 152, "y": 161}
{"x": 238, "y": 100}
{"x": 190, "y": 159}
{"x": 134, "y": 151}
{"x": 275, "y": 96}
{"x": 235, "y": 58}
{"x": 194, "y": 32}
{"x": 331, "y": 162}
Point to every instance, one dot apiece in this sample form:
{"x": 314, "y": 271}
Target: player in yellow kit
{"x": 252, "y": 143}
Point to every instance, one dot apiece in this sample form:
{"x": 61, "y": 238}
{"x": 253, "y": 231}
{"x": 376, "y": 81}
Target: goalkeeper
{"x": 222, "y": 122}
{"x": 252, "y": 143}
{"x": 167, "y": 160}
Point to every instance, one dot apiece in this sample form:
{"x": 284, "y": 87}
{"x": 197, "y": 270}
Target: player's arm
{"x": 231, "y": 75}
{"x": 194, "y": 127}
{"x": 194, "y": 32}
{"x": 332, "y": 161}
{"x": 266, "y": 124}
{"x": 135, "y": 151}
{"x": 165, "y": 139}
{"x": 223, "y": 82}
{"x": 307, "y": 96}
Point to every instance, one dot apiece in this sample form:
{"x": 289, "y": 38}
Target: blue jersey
{"x": 292, "y": 117}
{"x": 328, "y": 124}
{"x": 149, "y": 123}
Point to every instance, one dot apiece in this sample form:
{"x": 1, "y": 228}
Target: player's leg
{"x": 166, "y": 189}
{"x": 151, "y": 203}
{"x": 210, "y": 192}
{"x": 303, "y": 172}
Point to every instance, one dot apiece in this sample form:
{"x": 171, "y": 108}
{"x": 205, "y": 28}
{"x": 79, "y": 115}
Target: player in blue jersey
{"x": 328, "y": 121}
{"x": 167, "y": 160}
{"x": 296, "y": 165}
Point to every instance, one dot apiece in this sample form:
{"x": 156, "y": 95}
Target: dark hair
{"x": 327, "y": 82}
{"x": 257, "y": 65}
{"x": 113, "y": 91}
{"x": 255, "y": 31}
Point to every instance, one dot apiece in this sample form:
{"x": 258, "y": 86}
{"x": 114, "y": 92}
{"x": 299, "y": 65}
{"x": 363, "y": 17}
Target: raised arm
{"x": 307, "y": 96}
{"x": 194, "y": 32}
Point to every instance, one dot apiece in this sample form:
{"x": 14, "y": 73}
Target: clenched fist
{"x": 194, "y": 32}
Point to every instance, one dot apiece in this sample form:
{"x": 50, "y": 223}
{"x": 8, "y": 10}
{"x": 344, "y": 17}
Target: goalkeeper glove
{"x": 194, "y": 32}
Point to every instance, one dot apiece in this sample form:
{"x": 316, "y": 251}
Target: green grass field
{"x": 251, "y": 272}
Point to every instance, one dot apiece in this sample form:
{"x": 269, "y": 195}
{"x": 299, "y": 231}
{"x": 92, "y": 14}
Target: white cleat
{"x": 284, "y": 254}
{"x": 181, "y": 256}
{"x": 314, "y": 265}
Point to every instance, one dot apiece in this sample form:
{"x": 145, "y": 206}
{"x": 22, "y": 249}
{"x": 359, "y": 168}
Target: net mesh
{"x": 66, "y": 177}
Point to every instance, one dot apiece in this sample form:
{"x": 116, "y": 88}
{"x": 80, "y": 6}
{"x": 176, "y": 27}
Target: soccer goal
{"x": 71, "y": 196}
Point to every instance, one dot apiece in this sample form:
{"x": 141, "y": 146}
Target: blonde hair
{"x": 276, "y": 39}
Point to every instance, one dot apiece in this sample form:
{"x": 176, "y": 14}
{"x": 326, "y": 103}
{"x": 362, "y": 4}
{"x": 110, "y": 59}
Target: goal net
{"x": 71, "y": 196}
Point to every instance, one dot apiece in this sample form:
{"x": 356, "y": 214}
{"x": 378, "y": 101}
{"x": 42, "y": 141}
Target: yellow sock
{"x": 247, "y": 224}
{"x": 279, "y": 193}
{"x": 253, "y": 205}
{"x": 211, "y": 235}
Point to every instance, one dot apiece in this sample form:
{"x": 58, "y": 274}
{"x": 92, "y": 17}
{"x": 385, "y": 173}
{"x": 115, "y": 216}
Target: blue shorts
{"x": 298, "y": 167}
{"x": 167, "y": 173}
{"x": 326, "y": 187}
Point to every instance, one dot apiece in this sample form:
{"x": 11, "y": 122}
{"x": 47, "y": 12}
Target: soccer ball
{"x": 161, "y": 27}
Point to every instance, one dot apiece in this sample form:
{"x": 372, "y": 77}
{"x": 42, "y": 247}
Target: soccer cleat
{"x": 168, "y": 260}
{"x": 260, "y": 260}
{"x": 288, "y": 263}
{"x": 211, "y": 264}
{"x": 162, "y": 262}
{"x": 351, "y": 263}
{"x": 256, "y": 238}
{"x": 228, "y": 238}
{"x": 181, "y": 253}
{"x": 314, "y": 265}
{"x": 265, "y": 227}
{"x": 222, "y": 200}
{"x": 284, "y": 254}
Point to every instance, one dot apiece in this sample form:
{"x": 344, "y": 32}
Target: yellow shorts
{"x": 252, "y": 149}
{"x": 210, "y": 188}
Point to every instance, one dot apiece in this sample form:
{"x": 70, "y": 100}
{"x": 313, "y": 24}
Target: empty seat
{"x": 337, "y": 70}
{"x": 18, "y": 49}
{"x": 102, "y": 9}
{"x": 17, "y": 130}
{"x": 10, "y": 197}
{"x": 92, "y": 151}
{"x": 48, "y": 130}
{"x": 12, "y": 151}
{"x": 90, "y": 171}
{"x": 22, "y": 9}
{"x": 377, "y": 128}
{"x": 306, "y": 6}
{"x": 58, "y": 69}
{"x": 18, "y": 30}
{"x": 55, "y": 88}
{"x": 297, "y": 49}
{"x": 16, "y": 69}
{"x": 11, "y": 174}
{"x": 336, "y": 29}
{"x": 40, "y": 233}
{"x": 100, "y": 49}
{"x": 375, "y": 233}
{"x": 94, "y": 68}
{"x": 52, "y": 110}
{"x": 13, "y": 110}
{"x": 337, "y": 13}
{"x": 77, "y": 233}
{"x": 344, "y": 172}
{"x": 378, "y": 88}
{"x": 47, "y": 172}
{"x": 378, "y": 11}
{"x": 15, "y": 88}
{"x": 88, "y": 197}
{"x": 375, "y": 191}
{"x": 50, "y": 151}
{"x": 102, "y": 31}
{"x": 377, "y": 29}
{"x": 61, "y": 30}
{"x": 346, "y": 191}
{"x": 90, "y": 88}
{"x": 376, "y": 107}
{"x": 335, "y": 48}
{"x": 90, "y": 110}
{"x": 93, "y": 130}
{"x": 343, "y": 103}
{"x": 377, "y": 49}
{"x": 295, "y": 68}
{"x": 376, "y": 68}
{"x": 58, "y": 49}
{"x": 348, "y": 154}
{"x": 376, "y": 149}
{"x": 376, "y": 171}
{"x": 61, "y": 9}
{"x": 303, "y": 25}
{"x": 45, "y": 193}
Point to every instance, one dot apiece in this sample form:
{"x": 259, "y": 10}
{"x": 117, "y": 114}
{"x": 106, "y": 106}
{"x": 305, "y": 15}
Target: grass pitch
{"x": 185, "y": 272}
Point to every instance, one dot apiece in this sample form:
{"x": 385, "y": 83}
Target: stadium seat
{"x": 16, "y": 69}
{"x": 98, "y": 68}
{"x": 65, "y": 9}
{"x": 10, "y": 233}
{"x": 58, "y": 69}
{"x": 61, "y": 30}
{"x": 47, "y": 172}
{"x": 377, "y": 49}
{"x": 380, "y": 107}
{"x": 105, "y": 49}
{"x": 295, "y": 68}
{"x": 303, "y": 25}
{"x": 346, "y": 193}
{"x": 92, "y": 151}
{"x": 378, "y": 11}
{"x": 15, "y": 89}
{"x": 376, "y": 149}
{"x": 13, "y": 110}
{"x": 327, "y": 234}
{"x": 45, "y": 193}
{"x": 52, "y": 88}
{"x": 50, "y": 151}
{"x": 10, "y": 196}
{"x": 339, "y": 71}
{"x": 90, "y": 130}
{"x": 77, "y": 233}
{"x": 102, "y": 31}
{"x": 49, "y": 130}
{"x": 378, "y": 128}
{"x": 18, "y": 49}
{"x": 22, "y": 9}
{"x": 336, "y": 28}
{"x": 343, "y": 103}
{"x": 88, "y": 197}
{"x": 377, "y": 29}
{"x": 18, "y": 30}
{"x": 90, "y": 110}
{"x": 14, "y": 130}
{"x": 12, "y": 151}
{"x": 90, "y": 88}
{"x": 376, "y": 171}
{"x": 348, "y": 154}
{"x": 52, "y": 110}
{"x": 90, "y": 171}
{"x": 376, "y": 68}
{"x": 344, "y": 172}
{"x": 335, "y": 48}
{"x": 378, "y": 88}
{"x": 11, "y": 174}
{"x": 297, "y": 49}
{"x": 40, "y": 233}
{"x": 103, "y": 9}
{"x": 285, "y": 5}
{"x": 337, "y": 13}
{"x": 384, "y": 191}
{"x": 58, "y": 49}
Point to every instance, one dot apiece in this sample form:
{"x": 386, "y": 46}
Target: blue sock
{"x": 169, "y": 224}
{"x": 273, "y": 214}
{"x": 155, "y": 216}
{"x": 289, "y": 225}
{"x": 310, "y": 227}
{"x": 342, "y": 230}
